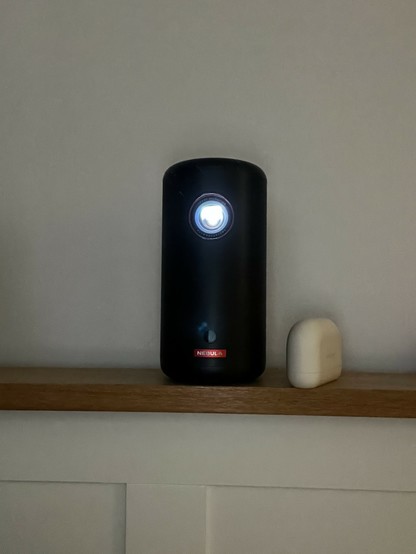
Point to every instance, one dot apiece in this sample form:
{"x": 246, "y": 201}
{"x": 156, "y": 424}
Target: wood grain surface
{"x": 147, "y": 390}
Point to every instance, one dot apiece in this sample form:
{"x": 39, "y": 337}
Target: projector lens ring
{"x": 211, "y": 216}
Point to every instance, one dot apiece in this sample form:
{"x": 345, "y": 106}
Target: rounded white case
{"x": 314, "y": 353}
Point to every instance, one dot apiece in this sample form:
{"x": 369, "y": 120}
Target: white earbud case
{"x": 314, "y": 353}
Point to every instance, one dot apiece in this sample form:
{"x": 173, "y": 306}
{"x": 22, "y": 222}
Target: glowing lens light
{"x": 212, "y": 217}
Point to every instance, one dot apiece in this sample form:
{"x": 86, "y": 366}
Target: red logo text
{"x": 209, "y": 353}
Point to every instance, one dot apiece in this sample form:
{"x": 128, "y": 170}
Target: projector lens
{"x": 211, "y": 216}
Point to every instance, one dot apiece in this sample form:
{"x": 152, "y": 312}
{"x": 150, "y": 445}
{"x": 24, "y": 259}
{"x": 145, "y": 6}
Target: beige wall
{"x": 99, "y": 97}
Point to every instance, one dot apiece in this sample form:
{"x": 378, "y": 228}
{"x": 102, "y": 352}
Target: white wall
{"x": 205, "y": 484}
{"x": 98, "y": 98}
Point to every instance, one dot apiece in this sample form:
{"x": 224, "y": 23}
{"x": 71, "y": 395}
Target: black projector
{"x": 213, "y": 320}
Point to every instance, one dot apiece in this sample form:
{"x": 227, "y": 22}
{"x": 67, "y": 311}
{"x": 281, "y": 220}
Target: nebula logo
{"x": 209, "y": 353}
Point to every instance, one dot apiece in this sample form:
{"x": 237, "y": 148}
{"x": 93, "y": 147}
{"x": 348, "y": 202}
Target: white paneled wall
{"x": 197, "y": 449}
{"x": 56, "y": 518}
{"x": 193, "y": 484}
{"x": 61, "y": 518}
{"x": 299, "y": 521}
{"x": 163, "y": 518}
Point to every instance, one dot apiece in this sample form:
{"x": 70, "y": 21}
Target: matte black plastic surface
{"x": 216, "y": 285}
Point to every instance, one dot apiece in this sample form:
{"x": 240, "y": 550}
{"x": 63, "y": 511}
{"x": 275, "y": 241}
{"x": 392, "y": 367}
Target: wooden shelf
{"x": 145, "y": 390}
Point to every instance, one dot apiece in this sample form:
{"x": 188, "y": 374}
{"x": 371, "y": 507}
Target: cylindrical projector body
{"x": 213, "y": 320}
